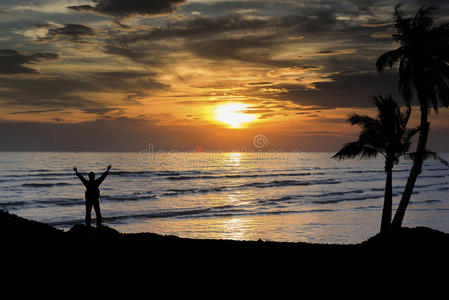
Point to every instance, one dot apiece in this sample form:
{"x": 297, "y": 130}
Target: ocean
{"x": 293, "y": 197}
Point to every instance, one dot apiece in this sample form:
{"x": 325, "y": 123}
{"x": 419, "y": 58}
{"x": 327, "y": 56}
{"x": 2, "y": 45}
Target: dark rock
{"x": 413, "y": 238}
{"x": 81, "y": 229}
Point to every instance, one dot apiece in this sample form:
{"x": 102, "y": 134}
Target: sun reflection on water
{"x": 235, "y": 157}
{"x": 235, "y": 228}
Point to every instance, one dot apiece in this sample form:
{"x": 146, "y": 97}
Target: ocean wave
{"x": 71, "y": 201}
{"x": 444, "y": 188}
{"x": 367, "y": 207}
{"x": 59, "y": 202}
{"x": 436, "y": 169}
{"x": 277, "y": 183}
{"x": 420, "y": 186}
{"x": 280, "y": 199}
{"x": 374, "y": 171}
{"x": 12, "y": 204}
{"x": 331, "y": 201}
{"x": 46, "y": 175}
{"x": 157, "y": 173}
{"x": 242, "y": 176}
{"x": 433, "y": 176}
{"x": 43, "y": 203}
{"x": 212, "y": 212}
{"x": 381, "y": 189}
{"x": 340, "y": 193}
{"x": 127, "y": 198}
{"x": 45, "y": 184}
{"x": 294, "y": 197}
{"x": 256, "y": 213}
{"x": 175, "y": 192}
{"x": 113, "y": 173}
{"x": 425, "y": 201}
{"x": 82, "y": 201}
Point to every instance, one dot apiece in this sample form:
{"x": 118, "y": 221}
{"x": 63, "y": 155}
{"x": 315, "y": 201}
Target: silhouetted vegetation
{"x": 422, "y": 59}
{"x": 387, "y": 135}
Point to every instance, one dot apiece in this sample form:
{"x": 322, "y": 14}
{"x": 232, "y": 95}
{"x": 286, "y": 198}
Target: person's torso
{"x": 92, "y": 190}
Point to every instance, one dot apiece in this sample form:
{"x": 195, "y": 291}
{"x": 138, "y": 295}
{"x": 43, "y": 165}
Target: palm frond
{"x": 405, "y": 79}
{"x": 405, "y": 115}
{"x": 423, "y": 18}
{"x": 369, "y": 152}
{"x": 354, "y": 149}
{"x": 410, "y": 133}
{"x": 427, "y": 155}
{"x": 388, "y": 59}
{"x": 387, "y": 134}
{"x": 423, "y": 57}
{"x": 356, "y": 119}
{"x": 437, "y": 157}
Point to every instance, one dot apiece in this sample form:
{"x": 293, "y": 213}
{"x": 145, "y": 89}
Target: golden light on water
{"x": 232, "y": 114}
{"x": 234, "y": 157}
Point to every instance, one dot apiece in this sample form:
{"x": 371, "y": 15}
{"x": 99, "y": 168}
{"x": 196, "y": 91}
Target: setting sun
{"x": 232, "y": 114}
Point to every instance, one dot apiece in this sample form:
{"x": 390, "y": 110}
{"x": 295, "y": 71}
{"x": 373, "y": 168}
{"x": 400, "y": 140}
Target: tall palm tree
{"x": 386, "y": 135}
{"x": 423, "y": 57}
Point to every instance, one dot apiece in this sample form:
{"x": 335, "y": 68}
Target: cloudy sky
{"x": 193, "y": 74}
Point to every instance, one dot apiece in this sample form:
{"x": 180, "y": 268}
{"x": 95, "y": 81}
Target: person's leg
{"x": 97, "y": 212}
{"x": 88, "y": 212}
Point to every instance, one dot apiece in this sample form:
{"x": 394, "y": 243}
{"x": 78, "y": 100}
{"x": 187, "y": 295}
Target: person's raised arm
{"x": 81, "y": 177}
{"x": 102, "y": 177}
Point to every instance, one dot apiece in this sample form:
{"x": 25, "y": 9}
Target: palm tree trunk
{"x": 388, "y": 200}
{"x": 416, "y": 168}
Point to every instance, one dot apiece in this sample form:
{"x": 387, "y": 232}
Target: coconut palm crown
{"x": 423, "y": 66}
{"x": 422, "y": 57}
{"x": 387, "y": 134}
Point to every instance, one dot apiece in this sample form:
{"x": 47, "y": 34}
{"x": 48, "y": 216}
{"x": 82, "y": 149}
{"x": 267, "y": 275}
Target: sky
{"x": 203, "y": 75}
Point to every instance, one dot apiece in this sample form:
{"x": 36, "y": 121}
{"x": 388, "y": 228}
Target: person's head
{"x": 91, "y": 176}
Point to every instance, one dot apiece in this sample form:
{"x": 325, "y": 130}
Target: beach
{"x": 18, "y": 234}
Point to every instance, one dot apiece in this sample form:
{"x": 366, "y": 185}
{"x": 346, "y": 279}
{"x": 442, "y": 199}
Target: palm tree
{"x": 423, "y": 58}
{"x": 387, "y": 135}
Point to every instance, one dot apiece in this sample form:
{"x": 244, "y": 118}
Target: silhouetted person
{"x": 92, "y": 194}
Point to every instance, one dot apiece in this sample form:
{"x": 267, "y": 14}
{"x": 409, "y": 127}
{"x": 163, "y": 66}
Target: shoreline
{"x": 18, "y": 232}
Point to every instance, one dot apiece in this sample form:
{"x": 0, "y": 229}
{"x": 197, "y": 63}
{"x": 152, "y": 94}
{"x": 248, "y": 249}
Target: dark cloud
{"x": 100, "y": 111}
{"x": 150, "y": 53}
{"x": 127, "y": 81}
{"x": 128, "y": 8}
{"x": 231, "y": 37}
{"x": 45, "y": 92}
{"x": 34, "y": 111}
{"x": 251, "y": 49}
{"x": 149, "y": 46}
{"x": 364, "y": 6}
{"x": 238, "y": 37}
{"x": 13, "y": 62}
{"x": 260, "y": 83}
{"x": 203, "y": 27}
{"x": 74, "y": 32}
{"x": 63, "y": 91}
{"x": 346, "y": 90}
